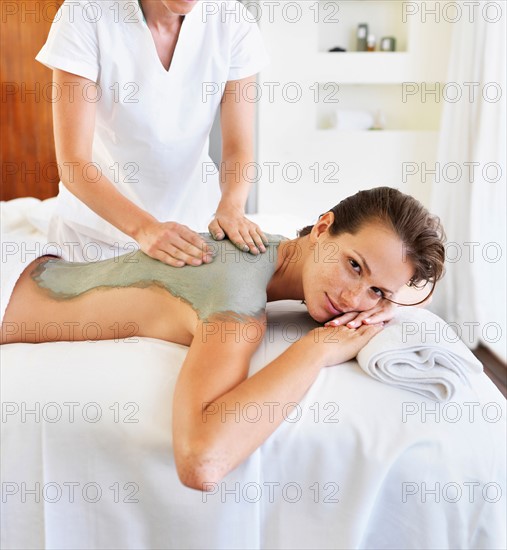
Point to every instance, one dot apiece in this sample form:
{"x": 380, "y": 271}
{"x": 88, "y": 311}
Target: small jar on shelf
{"x": 371, "y": 43}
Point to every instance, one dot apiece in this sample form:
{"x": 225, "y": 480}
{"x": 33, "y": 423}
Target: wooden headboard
{"x": 27, "y": 153}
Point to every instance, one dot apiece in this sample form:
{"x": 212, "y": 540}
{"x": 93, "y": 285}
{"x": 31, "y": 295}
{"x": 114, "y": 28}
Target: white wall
{"x": 328, "y": 164}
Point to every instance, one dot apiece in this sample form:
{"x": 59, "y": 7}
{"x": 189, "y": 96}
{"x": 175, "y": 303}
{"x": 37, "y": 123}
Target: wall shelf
{"x": 299, "y": 132}
{"x": 330, "y": 133}
{"x": 365, "y": 67}
{"x": 338, "y": 21}
{"x": 397, "y": 110}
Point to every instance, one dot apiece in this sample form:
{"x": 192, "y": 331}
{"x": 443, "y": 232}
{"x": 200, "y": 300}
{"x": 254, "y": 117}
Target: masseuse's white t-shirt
{"x": 152, "y": 126}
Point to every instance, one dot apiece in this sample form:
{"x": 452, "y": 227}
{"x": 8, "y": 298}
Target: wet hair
{"x": 421, "y": 232}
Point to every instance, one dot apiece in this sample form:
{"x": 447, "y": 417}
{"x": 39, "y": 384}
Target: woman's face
{"x": 352, "y": 272}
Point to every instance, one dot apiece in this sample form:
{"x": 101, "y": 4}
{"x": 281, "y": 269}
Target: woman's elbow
{"x": 200, "y": 469}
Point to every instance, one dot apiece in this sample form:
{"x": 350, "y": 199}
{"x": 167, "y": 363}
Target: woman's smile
{"x": 330, "y": 306}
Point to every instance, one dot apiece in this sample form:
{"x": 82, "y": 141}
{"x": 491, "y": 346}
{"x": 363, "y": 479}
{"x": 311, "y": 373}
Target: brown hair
{"x": 421, "y": 232}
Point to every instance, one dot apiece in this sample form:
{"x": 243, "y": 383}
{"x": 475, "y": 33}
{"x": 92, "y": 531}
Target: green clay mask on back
{"x": 233, "y": 283}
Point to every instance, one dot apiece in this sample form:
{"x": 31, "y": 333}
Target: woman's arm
{"x": 385, "y": 310}
{"x": 212, "y": 408}
{"x": 237, "y": 118}
{"x": 74, "y": 124}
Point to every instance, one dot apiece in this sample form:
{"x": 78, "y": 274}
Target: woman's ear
{"x": 322, "y": 226}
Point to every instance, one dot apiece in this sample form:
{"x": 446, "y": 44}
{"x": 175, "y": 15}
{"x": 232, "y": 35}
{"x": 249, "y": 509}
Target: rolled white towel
{"x": 420, "y": 352}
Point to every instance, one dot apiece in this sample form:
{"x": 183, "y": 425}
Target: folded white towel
{"x": 420, "y": 352}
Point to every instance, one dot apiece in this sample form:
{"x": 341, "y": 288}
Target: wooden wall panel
{"x": 27, "y": 153}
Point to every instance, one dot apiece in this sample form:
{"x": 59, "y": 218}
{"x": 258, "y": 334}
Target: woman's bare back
{"x": 135, "y": 295}
{"x": 33, "y": 316}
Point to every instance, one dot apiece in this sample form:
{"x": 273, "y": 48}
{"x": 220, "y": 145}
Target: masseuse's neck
{"x": 158, "y": 16}
{"x": 286, "y": 282}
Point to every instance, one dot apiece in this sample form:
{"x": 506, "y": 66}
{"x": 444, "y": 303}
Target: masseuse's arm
{"x": 237, "y": 118}
{"x": 74, "y": 123}
{"x": 214, "y": 402}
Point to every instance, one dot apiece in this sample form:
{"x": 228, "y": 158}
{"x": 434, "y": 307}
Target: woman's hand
{"x": 174, "y": 244}
{"x": 337, "y": 344}
{"x": 381, "y": 313}
{"x": 242, "y": 232}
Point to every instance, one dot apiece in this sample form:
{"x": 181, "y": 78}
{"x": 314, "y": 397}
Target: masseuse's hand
{"x": 242, "y": 232}
{"x": 381, "y": 313}
{"x": 174, "y": 244}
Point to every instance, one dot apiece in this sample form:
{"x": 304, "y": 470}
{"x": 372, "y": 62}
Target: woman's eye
{"x": 357, "y": 268}
{"x": 355, "y": 265}
{"x": 377, "y": 291}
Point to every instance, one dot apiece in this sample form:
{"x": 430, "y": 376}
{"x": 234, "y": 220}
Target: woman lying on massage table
{"x": 350, "y": 265}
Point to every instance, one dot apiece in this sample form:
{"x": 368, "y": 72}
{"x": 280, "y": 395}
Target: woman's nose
{"x": 351, "y": 300}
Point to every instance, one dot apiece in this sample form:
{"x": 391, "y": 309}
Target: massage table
{"x": 86, "y": 451}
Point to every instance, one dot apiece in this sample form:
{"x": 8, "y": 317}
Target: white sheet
{"x": 386, "y": 442}
{"x": 22, "y": 240}
{"x": 354, "y": 483}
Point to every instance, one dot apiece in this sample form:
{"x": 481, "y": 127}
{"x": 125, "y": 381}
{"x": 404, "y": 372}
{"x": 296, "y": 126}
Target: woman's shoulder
{"x": 236, "y": 281}
{"x": 228, "y": 254}
{"x": 273, "y": 239}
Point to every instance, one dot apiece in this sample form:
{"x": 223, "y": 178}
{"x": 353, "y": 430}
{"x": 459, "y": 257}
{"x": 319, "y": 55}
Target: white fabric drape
{"x": 469, "y": 188}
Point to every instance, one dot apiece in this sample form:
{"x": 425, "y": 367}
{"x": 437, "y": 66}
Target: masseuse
{"x": 137, "y": 86}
